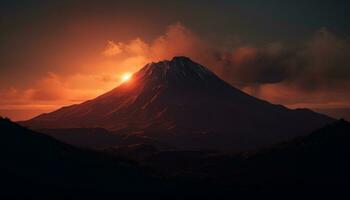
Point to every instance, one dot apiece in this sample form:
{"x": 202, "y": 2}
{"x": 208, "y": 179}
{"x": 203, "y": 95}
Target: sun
{"x": 126, "y": 77}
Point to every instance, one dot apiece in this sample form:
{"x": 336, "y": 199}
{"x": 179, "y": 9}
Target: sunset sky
{"x": 56, "y": 53}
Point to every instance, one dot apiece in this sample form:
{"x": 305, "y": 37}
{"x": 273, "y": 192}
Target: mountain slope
{"x": 184, "y": 104}
{"x": 34, "y": 163}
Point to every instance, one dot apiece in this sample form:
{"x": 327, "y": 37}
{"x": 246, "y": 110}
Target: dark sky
{"x": 54, "y": 42}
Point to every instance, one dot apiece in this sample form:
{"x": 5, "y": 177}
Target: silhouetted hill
{"x": 320, "y": 160}
{"x": 183, "y": 104}
{"x": 36, "y": 164}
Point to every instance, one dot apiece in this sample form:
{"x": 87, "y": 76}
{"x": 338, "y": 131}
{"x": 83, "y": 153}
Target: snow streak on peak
{"x": 180, "y": 68}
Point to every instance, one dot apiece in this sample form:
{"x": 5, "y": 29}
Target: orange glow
{"x": 126, "y": 77}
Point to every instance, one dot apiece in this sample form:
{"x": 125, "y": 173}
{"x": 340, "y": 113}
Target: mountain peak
{"x": 180, "y": 58}
{"x": 179, "y": 69}
{"x": 176, "y": 61}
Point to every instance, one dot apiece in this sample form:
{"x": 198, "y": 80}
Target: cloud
{"x": 294, "y": 96}
{"x": 137, "y": 47}
{"x": 326, "y": 62}
{"x": 48, "y": 89}
{"x": 57, "y": 90}
{"x": 312, "y": 74}
{"x": 112, "y": 49}
{"x": 249, "y": 65}
{"x": 177, "y": 40}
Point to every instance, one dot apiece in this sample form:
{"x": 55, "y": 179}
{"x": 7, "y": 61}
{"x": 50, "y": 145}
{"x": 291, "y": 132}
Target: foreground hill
{"x": 33, "y": 163}
{"x": 183, "y": 104}
{"x": 319, "y": 160}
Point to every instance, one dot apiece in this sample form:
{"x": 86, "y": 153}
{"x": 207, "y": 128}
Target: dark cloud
{"x": 321, "y": 62}
{"x": 252, "y": 65}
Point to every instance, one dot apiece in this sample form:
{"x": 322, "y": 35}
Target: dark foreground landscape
{"x": 34, "y": 165}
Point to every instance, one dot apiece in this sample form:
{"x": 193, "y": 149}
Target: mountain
{"x": 36, "y": 164}
{"x": 183, "y": 104}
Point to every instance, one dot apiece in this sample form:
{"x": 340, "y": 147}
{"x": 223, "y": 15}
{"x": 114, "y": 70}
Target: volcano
{"x": 185, "y": 105}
